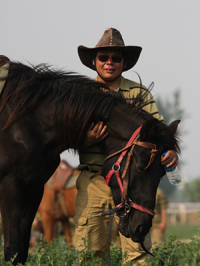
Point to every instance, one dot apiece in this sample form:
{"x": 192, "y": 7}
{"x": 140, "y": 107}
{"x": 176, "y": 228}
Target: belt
{"x": 92, "y": 171}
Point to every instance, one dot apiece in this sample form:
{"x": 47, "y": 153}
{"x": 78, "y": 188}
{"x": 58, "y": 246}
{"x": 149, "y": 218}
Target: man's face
{"x": 109, "y": 63}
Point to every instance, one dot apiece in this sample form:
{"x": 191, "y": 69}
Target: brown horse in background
{"x": 58, "y": 202}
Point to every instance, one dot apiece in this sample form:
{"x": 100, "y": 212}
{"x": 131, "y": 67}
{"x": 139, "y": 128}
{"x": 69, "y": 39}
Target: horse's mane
{"x": 28, "y": 86}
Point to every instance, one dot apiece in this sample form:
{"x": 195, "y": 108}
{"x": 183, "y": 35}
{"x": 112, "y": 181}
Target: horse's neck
{"x": 44, "y": 114}
{"x": 45, "y": 125}
{"x": 122, "y": 123}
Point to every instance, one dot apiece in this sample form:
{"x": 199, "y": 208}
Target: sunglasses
{"x": 115, "y": 58}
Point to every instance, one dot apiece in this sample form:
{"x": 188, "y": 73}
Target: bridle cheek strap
{"x": 117, "y": 164}
{"x": 153, "y": 153}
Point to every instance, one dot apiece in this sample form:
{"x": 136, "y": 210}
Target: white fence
{"x": 183, "y": 212}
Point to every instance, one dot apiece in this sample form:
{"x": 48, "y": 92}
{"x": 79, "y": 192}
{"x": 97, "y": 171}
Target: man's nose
{"x": 109, "y": 61}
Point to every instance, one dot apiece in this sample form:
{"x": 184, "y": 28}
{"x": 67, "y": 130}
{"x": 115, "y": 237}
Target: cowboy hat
{"x": 111, "y": 38}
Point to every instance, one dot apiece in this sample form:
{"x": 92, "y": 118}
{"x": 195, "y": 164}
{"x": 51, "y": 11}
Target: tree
{"x": 191, "y": 190}
{"x": 171, "y": 109}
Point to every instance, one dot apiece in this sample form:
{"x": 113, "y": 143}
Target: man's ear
{"x": 94, "y": 62}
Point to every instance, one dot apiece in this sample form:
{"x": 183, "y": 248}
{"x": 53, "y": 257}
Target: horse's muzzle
{"x": 136, "y": 234}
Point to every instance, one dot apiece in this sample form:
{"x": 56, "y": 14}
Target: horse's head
{"x": 140, "y": 177}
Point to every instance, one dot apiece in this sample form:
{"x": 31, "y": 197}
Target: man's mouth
{"x": 109, "y": 70}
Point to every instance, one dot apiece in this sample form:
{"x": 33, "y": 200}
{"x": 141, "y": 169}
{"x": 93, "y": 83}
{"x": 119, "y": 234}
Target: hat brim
{"x": 86, "y": 55}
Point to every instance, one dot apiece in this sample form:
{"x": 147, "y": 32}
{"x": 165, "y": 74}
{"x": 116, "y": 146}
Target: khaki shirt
{"x": 3, "y": 74}
{"x": 92, "y": 157}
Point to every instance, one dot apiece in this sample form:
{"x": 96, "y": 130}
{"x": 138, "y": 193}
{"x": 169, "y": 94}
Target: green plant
{"x": 176, "y": 253}
{"x": 172, "y": 253}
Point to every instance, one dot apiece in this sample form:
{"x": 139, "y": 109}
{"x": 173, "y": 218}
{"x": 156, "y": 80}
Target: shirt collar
{"x": 123, "y": 85}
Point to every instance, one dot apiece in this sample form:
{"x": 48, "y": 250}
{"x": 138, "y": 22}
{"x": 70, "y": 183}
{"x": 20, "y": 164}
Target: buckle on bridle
{"x": 113, "y": 167}
{"x": 126, "y": 208}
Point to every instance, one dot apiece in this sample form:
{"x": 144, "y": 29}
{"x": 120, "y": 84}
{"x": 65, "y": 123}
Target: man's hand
{"x": 171, "y": 157}
{"x": 162, "y": 227}
{"x": 95, "y": 133}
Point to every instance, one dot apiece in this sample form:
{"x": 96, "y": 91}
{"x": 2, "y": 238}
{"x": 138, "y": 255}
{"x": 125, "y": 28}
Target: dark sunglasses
{"x": 115, "y": 58}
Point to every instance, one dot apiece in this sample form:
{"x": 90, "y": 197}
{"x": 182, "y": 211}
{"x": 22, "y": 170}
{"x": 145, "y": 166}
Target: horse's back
{"x": 60, "y": 191}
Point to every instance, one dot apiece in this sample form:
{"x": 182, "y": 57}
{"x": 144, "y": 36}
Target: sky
{"x": 49, "y": 31}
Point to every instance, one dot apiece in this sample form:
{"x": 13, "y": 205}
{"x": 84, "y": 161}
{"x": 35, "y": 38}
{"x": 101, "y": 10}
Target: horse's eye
{"x": 140, "y": 167}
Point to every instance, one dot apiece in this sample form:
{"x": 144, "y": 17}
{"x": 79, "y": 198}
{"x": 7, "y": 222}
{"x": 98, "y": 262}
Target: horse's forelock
{"x": 157, "y": 132}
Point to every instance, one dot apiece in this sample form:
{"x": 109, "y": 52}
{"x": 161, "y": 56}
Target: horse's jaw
{"x": 139, "y": 234}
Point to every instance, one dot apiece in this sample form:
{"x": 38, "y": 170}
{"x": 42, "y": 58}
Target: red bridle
{"x": 123, "y": 182}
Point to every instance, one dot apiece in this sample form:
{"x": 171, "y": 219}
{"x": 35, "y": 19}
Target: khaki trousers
{"x": 94, "y": 197}
{"x": 157, "y": 235}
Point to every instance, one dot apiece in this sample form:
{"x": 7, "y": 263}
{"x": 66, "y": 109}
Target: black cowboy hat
{"x": 111, "y": 38}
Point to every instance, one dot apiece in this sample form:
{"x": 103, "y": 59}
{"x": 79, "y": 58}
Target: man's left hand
{"x": 171, "y": 159}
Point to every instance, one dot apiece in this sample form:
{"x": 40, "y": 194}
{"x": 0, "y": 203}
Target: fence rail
{"x": 183, "y": 212}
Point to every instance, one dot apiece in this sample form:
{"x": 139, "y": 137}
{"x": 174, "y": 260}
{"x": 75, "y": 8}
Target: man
{"x": 160, "y": 220}
{"x": 109, "y": 59}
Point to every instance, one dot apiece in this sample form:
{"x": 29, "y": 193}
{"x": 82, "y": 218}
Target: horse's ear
{"x": 173, "y": 126}
{"x": 148, "y": 129}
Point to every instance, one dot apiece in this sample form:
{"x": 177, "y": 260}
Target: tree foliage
{"x": 171, "y": 110}
{"x": 191, "y": 190}
{"x": 170, "y": 107}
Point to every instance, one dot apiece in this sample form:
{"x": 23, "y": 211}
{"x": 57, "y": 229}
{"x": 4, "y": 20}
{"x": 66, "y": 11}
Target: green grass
{"x": 58, "y": 254}
{"x": 174, "y": 252}
{"x": 183, "y": 231}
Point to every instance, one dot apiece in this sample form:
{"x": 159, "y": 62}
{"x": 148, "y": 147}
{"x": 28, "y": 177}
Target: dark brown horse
{"x": 44, "y": 112}
{"x": 58, "y": 201}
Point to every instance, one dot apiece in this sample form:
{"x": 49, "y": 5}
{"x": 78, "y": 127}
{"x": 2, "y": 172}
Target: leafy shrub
{"x": 176, "y": 253}
{"x": 172, "y": 253}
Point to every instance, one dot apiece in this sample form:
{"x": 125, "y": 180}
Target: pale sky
{"x": 49, "y": 31}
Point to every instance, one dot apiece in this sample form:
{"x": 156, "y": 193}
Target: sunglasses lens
{"x": 103, "y": 58}
{"x": 115, "y": 58}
